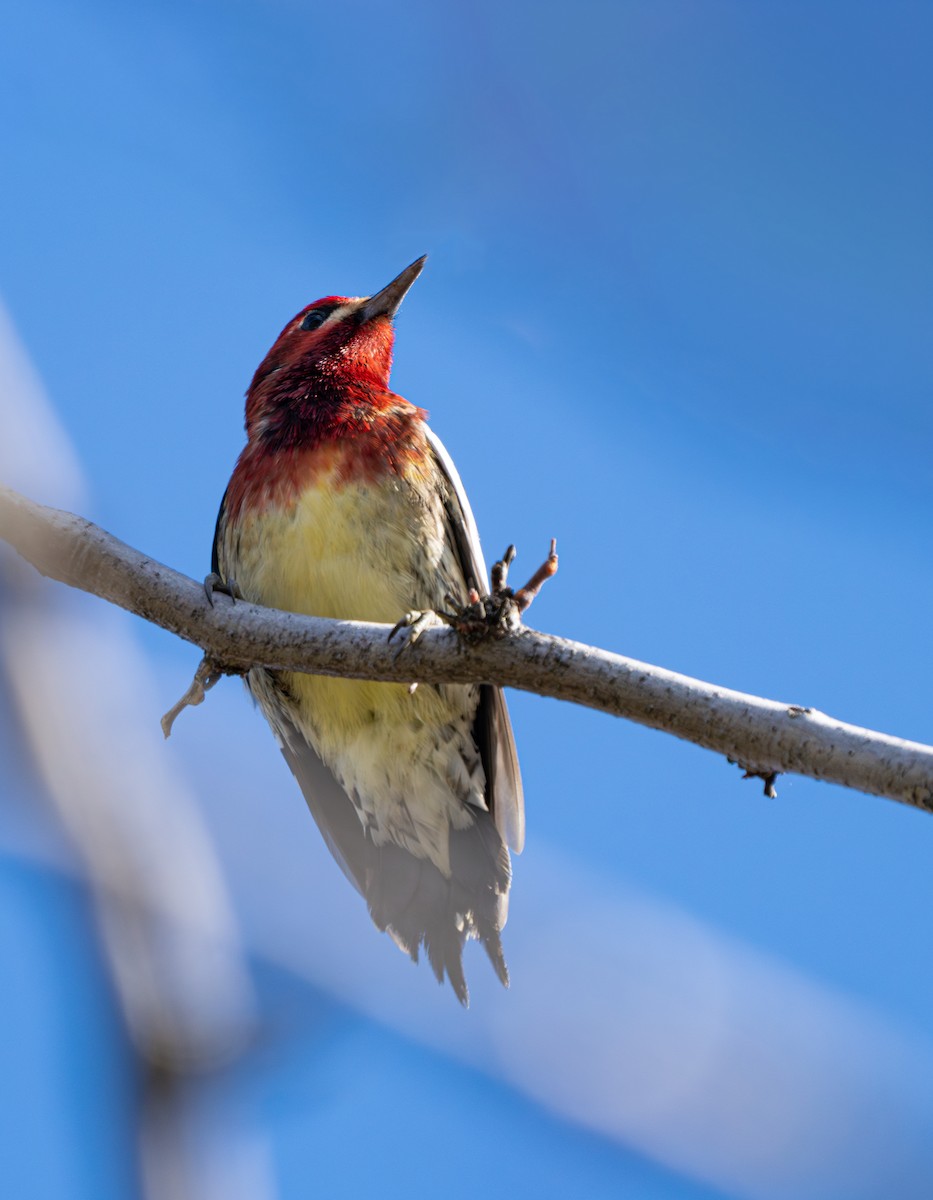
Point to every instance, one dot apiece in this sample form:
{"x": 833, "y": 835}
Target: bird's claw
{"x": 413, "y": 624}
{"x": 216, "y": 583}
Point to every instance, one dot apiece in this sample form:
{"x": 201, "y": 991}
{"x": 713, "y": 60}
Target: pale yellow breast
{"x": 360, "y": 550}
{"x": 371, "y": 550}
{"x": 366, "y": 551}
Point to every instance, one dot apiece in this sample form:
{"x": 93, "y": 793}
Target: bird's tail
{"x": 407, "y": 896}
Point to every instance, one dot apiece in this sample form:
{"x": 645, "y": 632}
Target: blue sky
{"x": 676, "y": 313}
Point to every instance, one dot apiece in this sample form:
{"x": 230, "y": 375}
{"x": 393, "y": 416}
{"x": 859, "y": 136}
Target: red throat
{"x": 320, "y": 402}
{"x": 318, "y": 363}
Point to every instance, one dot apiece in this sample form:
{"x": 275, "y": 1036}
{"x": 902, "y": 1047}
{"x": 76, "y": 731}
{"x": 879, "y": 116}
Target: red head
{"x": 334, "y": 342}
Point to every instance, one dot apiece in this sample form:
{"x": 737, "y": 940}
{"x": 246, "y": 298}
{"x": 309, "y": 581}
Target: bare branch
{"x": 204, "y": 679}
{"x": 547, "y": 570}
{"x": 765, "y": 736}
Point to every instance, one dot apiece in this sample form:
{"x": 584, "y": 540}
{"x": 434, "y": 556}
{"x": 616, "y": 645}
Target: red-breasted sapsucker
{"x": 344, "y": 504}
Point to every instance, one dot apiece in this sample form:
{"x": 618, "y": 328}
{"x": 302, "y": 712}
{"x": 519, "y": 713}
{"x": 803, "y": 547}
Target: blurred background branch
{"x": 139, "y": 843}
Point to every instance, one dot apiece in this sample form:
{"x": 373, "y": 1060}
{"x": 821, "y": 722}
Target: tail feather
{"x": 407, "y": 896}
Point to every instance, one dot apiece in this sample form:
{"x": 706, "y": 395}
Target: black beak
{"x": 386, "y": 302}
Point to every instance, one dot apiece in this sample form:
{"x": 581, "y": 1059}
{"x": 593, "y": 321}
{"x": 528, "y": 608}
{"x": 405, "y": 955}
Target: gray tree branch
{"x": 765, "y": 737}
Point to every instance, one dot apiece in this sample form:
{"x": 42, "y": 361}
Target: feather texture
{"x": 344, "y": 504}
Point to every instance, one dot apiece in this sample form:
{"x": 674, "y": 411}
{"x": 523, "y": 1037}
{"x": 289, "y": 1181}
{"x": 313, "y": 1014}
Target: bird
{"x": 344, "y": 503}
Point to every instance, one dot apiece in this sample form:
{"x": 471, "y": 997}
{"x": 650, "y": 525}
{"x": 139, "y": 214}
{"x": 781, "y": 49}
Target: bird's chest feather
{"x": 337, "y": 542}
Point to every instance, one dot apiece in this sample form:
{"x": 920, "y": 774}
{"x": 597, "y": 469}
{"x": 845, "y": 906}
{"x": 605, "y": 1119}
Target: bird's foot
{"x": 412, "y": 626}
{"x": 500, "y": 612}
{"x": 216, "y": 583}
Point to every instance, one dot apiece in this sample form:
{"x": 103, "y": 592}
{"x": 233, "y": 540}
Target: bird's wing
{"x": 218, "y": 535}
{"x": 493, "y": 729}
{"x": 407, "y": 896}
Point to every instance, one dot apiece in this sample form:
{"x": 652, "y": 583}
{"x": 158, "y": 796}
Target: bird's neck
{"x": 297, "y": 422}
{"x": 287, "y": 407}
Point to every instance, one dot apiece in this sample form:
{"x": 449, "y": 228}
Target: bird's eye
{"x": 316, "y": 317}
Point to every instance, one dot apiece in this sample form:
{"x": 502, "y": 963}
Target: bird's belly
{"x": 371, "y": 551}
{"x": 359, "y": 551}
